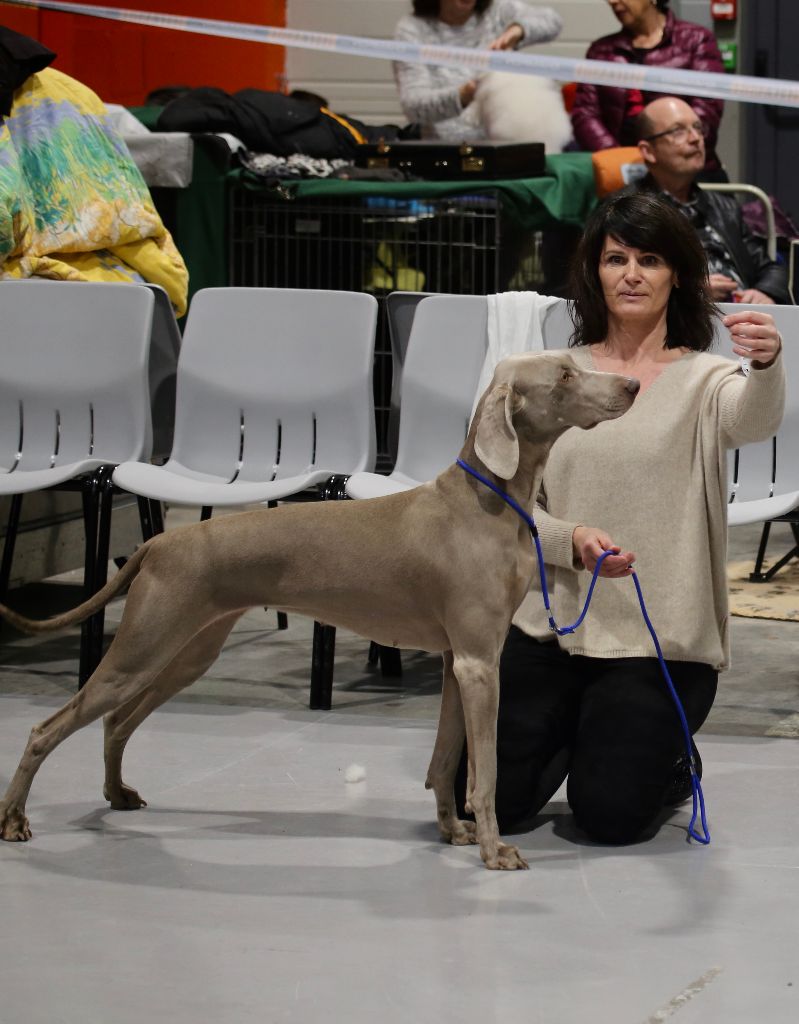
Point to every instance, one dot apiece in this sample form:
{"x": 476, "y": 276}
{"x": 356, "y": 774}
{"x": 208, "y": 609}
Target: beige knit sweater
{"x": 656, "y": 480}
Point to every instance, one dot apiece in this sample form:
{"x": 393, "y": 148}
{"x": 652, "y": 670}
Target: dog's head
{"x": 538, "y": 396}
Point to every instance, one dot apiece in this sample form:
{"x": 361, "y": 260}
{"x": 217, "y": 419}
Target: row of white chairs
{"x": 439, "y": 345}
{"x": 273, "y": 396}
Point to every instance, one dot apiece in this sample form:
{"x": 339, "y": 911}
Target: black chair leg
{"x": 10, "y": 542}
{"x": 148, "y": 528}
{"x": 206, "y": 512}
{"x": 756, "y": 575}
{"x": 324, "y": 637}
{"x": 157, "y": 515}
{"x": 388, "y": 658}
{"x": 97, "y": 621}
{"x": 283, "y": 619}
{"x": 390, "y": 662}
{"x": 766, "y": 577}
{"x": 91, "y": 505}
{"x": 322, "y": 660}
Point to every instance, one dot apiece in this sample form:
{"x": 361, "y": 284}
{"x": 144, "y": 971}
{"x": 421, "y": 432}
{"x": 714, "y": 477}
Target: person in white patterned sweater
{"x": 438, "y": 98}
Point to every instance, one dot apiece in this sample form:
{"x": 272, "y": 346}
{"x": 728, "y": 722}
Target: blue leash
{"x": 696, "y": 785}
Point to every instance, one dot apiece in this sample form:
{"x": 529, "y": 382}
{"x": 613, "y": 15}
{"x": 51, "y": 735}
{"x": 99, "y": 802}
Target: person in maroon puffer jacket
{"x": 603, "y": 115}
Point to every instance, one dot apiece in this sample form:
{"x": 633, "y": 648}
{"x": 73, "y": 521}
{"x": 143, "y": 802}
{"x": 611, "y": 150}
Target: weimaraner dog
{"x": 441, "y": 567}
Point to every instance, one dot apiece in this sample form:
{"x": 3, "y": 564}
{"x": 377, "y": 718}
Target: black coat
{"x": 748, "y": 251}
{"x": 269, "y": 122}
{"x": 20, "y": 57}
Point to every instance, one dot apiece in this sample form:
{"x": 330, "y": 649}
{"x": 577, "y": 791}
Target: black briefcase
{"x": 454, "y": 162}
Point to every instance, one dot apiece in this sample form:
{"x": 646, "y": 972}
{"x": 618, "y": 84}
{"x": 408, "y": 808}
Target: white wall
{"x": 365, "y": 88}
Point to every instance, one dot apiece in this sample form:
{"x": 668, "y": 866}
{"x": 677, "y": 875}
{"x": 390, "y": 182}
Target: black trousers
{"x": 610, "y": 725}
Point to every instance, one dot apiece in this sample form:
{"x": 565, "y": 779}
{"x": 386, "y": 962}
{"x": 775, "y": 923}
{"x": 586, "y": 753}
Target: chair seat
{"x": 23, "y": 481}
{"x": 179, "y": 485}
{"x": 373, "y": 485}
{"x": 741, "y": 513}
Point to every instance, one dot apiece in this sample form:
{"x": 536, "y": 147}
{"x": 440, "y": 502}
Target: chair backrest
{"x": 273, "y": 382}
{"x": 443, "y": 360}
{"x": 73, "y": 384}
{"x": 400, "y": 310}
{"x": 163, "y": 364}
{"x": 769, "y": 467}
{"x": 557, "y": 326}
{"x": 742, "y": 188}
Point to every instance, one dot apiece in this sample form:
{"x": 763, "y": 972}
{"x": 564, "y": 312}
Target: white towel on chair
{"x": 514, "y": 325}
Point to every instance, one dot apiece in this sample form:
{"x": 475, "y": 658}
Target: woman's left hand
{"x": 754, "y": 336}
{"x": 510, "y": 38}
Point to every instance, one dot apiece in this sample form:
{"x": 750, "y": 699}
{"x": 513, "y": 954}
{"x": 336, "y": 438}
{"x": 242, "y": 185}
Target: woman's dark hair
{"x": 432, "y": 8}
{"x": 647, "y": 221}
{"x": 662, "y": 5}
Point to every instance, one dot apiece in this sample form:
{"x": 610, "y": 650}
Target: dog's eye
{"x": 565, "y": 376}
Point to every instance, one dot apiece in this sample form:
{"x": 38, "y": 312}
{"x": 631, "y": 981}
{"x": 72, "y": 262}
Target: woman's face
{"x": 636, "y": 284}
{"x": 456, "y": 12}
{"x": 630, "y": 12}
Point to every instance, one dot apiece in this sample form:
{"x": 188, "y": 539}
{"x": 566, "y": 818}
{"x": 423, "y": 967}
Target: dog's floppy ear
{"x": 495, "y": 441}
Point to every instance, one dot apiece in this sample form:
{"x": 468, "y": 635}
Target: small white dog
{"x": 521, "y": 108}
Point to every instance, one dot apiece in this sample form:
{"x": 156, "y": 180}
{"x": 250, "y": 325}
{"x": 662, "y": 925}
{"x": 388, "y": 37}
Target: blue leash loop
{"x": 696, "y": 785}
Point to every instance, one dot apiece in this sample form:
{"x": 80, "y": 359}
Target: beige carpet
{"x": 777, "y": 599}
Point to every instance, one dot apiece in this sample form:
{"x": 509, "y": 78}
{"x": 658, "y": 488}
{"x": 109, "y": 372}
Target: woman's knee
{"x": 614, "y": 816}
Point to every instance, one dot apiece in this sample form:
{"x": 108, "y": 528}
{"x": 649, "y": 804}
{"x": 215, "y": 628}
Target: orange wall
{"x": 122, "y": 63}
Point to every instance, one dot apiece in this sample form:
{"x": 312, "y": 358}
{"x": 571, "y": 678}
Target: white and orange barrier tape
{"x": 742, "y": 88}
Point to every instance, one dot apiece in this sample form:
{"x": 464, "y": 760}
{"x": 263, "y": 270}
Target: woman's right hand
{"x": 467, "y": 91}
{"x": 589, "y": 544}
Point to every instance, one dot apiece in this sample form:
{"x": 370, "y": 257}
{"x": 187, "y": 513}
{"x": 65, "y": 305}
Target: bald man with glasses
{"x": 672, "y": 142}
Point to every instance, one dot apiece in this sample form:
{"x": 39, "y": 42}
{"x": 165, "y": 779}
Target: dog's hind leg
{"x": 145, "y": 645}
{"x": 188, "y": 665}
{"x": 444, "y": 762}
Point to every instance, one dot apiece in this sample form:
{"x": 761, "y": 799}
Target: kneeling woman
{"x": 650, "y": 487}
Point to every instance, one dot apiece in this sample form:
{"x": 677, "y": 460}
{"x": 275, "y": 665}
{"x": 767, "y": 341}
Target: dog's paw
{"x": 123, "y": 798}
{"x": 505, "y": 858}
{"x": 462, "y": 833}
{"x": 14, "y": 827}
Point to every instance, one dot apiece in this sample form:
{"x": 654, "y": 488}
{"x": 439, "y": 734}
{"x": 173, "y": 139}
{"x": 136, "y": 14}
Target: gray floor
{"x": 260, "y": 885}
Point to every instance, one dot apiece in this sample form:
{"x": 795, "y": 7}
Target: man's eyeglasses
{"x": 679, "y": 132}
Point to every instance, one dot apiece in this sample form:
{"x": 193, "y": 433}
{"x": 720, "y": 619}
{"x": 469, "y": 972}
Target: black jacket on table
{"x": 747, "y": 250}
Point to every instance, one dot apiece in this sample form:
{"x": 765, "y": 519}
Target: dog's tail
{"x": 99, "y": 600}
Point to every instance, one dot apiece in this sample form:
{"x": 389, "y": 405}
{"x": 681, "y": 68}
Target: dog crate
{"x": 459, "y": 244}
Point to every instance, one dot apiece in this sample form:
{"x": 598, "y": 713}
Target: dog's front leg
{"x": 479, "y": 687}
{"x": 444, "y": 762}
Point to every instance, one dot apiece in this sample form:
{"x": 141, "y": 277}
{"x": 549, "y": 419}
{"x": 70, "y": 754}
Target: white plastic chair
{"x": 443, "y": 361}
{"x": 165, "y": 344}
{"x": 74, "y": 402}
{"x": 764, "y": 477}
{"x": 400, "y": 310}
{"x": 274, "y": 396}
{"x": 445, "y": 353}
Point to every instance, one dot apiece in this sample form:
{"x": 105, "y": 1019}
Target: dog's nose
{"x": 632, "y": 385}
